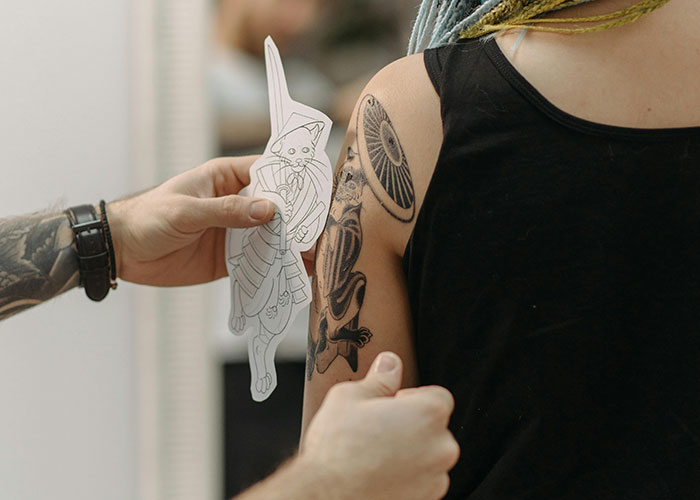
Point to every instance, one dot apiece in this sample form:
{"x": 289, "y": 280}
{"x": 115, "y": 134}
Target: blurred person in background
{"x": 238, "y": 82}
{"x": 330, "y": 51}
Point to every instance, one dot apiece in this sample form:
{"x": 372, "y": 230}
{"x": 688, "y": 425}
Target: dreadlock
{"x": 440, "y": 22}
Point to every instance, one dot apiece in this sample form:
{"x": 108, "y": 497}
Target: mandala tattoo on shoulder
{"x": 387, "y": 175}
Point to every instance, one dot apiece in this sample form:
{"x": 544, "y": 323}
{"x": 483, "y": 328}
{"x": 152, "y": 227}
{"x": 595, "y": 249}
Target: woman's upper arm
{"x": 360, "y": 306}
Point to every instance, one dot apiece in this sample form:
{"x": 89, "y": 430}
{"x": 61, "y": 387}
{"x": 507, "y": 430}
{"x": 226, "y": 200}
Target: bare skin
{"x": 641, "y": 75}
{"x": 382, "y": 441}
{"x": 184, "y": 218}
{"x": 360, "y": 252}
{"x": 183, "y": 223}
{"x": 369, "y": 441}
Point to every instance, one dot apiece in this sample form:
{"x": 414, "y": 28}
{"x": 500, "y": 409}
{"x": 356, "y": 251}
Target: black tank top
{"x": 554, "y": 283}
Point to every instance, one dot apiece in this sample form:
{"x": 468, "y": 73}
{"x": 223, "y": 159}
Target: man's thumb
{"x": 231, "y": 211}
{"x": 383, "y": 377}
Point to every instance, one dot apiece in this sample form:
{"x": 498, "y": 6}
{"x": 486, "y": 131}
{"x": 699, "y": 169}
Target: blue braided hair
{"x": 440, "y": 22}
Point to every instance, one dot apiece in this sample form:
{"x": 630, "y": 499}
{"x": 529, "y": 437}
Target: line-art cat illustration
{"x": 266, "y": 270}
{"x": 269, "y": 285}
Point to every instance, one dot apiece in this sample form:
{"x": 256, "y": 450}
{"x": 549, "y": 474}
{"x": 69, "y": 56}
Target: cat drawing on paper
{"x": 295, "y": 151}
{"x": 266, "y": 270}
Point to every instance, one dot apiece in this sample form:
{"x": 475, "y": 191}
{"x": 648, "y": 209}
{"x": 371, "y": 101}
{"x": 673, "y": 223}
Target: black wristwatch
{"x": 93, "y": 251}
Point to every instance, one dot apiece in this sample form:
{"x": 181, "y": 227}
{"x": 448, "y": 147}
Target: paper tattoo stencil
{"x": 269, "y": 285}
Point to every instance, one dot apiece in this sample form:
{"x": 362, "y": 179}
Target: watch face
{"x": 387, "y": 175}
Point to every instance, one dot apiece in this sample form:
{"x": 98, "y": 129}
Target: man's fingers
{"x": 230, "y": 211}
{"x": 231, "y": 174}
{"x": 451, "y": 451}
{"x": 437, "y": 400}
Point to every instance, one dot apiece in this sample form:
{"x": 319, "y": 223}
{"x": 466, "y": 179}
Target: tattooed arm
{"x": 360, "y": 304}
{"x": 37, "y": 261}
{"x": 171, "y": 235}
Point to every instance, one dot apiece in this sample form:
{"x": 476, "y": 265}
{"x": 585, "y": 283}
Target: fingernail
{"x": 386, "y": 363}
{"x": 259, "y": 209}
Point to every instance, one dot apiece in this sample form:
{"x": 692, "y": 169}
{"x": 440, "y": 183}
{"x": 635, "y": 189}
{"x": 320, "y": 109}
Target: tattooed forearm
{"x": 37, "y": 261}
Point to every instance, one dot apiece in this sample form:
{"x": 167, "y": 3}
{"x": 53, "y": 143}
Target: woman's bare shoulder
{"x": 396, "y": 133}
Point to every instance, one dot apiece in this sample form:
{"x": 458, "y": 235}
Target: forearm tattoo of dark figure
{"x": 339, "y": 286}
{"x": 37, "y": 261}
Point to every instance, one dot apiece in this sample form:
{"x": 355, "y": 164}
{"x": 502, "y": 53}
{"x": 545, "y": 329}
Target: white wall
{"x": 67, "y": 399}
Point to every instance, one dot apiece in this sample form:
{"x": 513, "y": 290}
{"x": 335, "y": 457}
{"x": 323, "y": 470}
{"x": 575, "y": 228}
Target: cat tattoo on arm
{"x": 339, "y": 288}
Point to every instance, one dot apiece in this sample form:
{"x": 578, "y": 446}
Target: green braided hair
{"x": 440, "y": 22}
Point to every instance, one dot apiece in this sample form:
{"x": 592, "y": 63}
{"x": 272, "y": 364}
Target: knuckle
{"x": 233, "y": 208}
{"x": 382, "y": 387}
{"x": 451, "y": 452}
{"x": 213, "y": 163}
{"x": 433, "y": 407}
{"x": 440, "y": 401}
{"x": 442, "y": 485}
{"x": 340, "y": 390}
{"x": 209, "y": 166}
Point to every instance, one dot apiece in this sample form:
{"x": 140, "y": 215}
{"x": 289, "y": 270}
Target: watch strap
{"x": 93, "y": 255}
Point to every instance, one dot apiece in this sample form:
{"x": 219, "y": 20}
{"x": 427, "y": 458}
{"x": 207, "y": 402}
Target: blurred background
{"x": 145, "y": 395}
